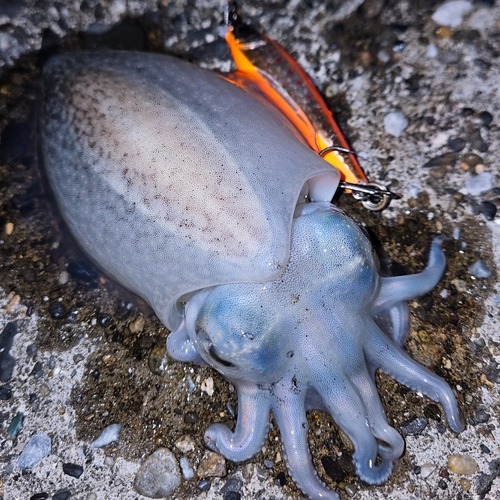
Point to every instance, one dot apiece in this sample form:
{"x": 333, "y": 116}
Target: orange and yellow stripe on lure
{"x": 268, "y": 71}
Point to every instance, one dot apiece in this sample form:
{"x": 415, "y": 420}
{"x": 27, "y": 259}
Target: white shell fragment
{"x": 480, "y": 270}
{"x": 395, "y": 123}
{"x": 451, "y": 13}
{"x": 107, "y": 436}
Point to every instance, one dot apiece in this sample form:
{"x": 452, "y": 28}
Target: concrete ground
{"x": 88, "y": 354}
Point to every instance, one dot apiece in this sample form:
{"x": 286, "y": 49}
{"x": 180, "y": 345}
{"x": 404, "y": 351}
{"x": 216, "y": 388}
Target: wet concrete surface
{"x": 83, "y": 360}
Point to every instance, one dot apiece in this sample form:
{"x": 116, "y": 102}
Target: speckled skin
{"x": 284, "y": 297}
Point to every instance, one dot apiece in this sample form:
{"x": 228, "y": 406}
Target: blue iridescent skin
{"x": 201, "y": 200}
{"x": 311, "y": 340}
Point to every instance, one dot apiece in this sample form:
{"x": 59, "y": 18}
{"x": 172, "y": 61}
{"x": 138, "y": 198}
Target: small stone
{"x": 481, "y": 416}
{"x": 63, "y": 277}
{"x": 268, "y": 464}
{"x": 479, "y": 269}
{"x": 462, "y": 464}
{"x": 39, "y": 496}
{"x": 159, "y": 475}
{"x": 204, "y": 484}
{"x": 480, "y": 183}
{"x": 37, "y": 448}
{"x": 104, "y": 319}
{"x": 442, "y": 484}
{"x": 351, "y": 489}
{"x": 460, "y": 285}
{"x": 426, "y": 470}
{"x": 157, "y": 361}
{"x": 437, "y": 172}
{"x": 470, "y": 161}
{"x": 477, "y": 141}
{"x": 44, "y": 390}
{"x": 414, "y": 427}
{"x": 107, "y": 436}
{"x": 187, "y": 470}
{"x": 443, "y": 32}
{"x": 61, "y": 495}
{"x": 486, "y": 117}
{"x": 465, "y": 484}
{"x": 443, "y": 472}
{"x": 73, "y": 470}
{"x": 395, "y": 123}
{"x": 15, "y": 425}
{"x": 451, "y": 13}
{"x": 29, "y": 274}
{"x": 207, "y": 386}
{"x": 488, "y": 209}
{"x": 447, "y": 160}
{"x": 5, "y": 392}
{"x": 57, "y": 310}
{"x": 190, "y": 417}
{"x": 83, "y": 271}
{"x": 37, "y": 370}
{"x": 185, "y": 444}
{"x": 211, "y": 465}
{"x": 484, "y": 449}
{"x": 456, "y": 144}
{"x": 9, "y": 228}
{"x": 137, "y": 326}
{"x": 232, "y": 484}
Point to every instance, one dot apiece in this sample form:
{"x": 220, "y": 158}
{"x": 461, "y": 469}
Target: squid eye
{"x": 211, "y": 351}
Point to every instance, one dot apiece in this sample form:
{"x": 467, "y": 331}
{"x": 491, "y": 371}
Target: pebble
{"x": 442, "y": 484}
{"x": 185, "y": 444}
{"x": 470, "y": 161}
{"x": 137, "y": 326}
{"x": 480, "y": 270}
{"x": 29, "y": 274}
{"x": 477, "y": 141}
{"x": 73, "y": 470}
{"x": 187, "y": 470}
{"x": 232, "y": 484}
{"x": 107, "y": 436}
{"x": 204, "y": 484}
{"x": 481, "y": 416}
{"x": 432, "y": 51}
{"x": 37, "y": 448}
{"x": 211, "y": 465}
{"x": 39, "y": 496}
{"x": 395, "y": 123}
{"x": 486, "y": 117}
{"x": 37, "y": 370}
{"x": 190, "y": 417}
{"x": 63, "y": 277}
{"x": 446, "y": 160}
{"x": 5, "y": 392}
{"x": 207, "y": 386}
{"x": 451, "y": 13}
{"x": 157, "y": 361}
{"x": 61, "y": 494}
{"x": 462, "y": 464}
{"x": 426, "y": 470}
{"x": 465, "y": 484}
{"x": 268, "y": 464}
{"x": 456, "y": 144}
{"x": 15, "y": 425}
{"x": 460, "y": 285}
{"x": 488, "y": 209}
{"x": 351, "y": 489}
{"x": 414, "y": 427}
{"x": 438, "y": 172}
{"x": 280, "y": 479}
{"x": 9, "y": 228}
{"x": 7, "y": 362}
{"x": 104, "y": 319}
{"x": 478, "y": 184}
{"x": 57, "y": 310}
{"x": 159, "y": 475}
